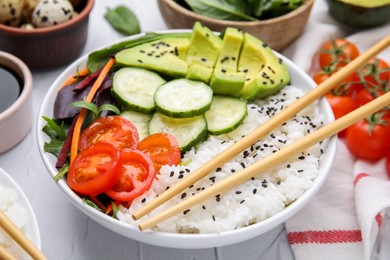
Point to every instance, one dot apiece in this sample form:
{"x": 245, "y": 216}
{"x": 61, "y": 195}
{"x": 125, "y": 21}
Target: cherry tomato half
{"x": 115, "y": 130}
{"x": 95, "y": 169}
{"x": 162, "y": 148}
{"x": 366, "y": 144}
{"x": 136, "y": 176}
{"x": 339, "y": 52}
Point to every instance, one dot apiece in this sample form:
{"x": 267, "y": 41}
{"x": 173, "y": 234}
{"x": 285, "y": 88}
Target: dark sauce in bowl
{"x": 10, "y": 88}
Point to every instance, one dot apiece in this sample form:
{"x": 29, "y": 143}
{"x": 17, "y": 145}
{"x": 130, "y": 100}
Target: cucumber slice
{"x": 140, "y": 120}
{"x": 134, "y": 88}
{"x": 225, "y": 115}
{"x": 183, "y": 98}
{"x": 187, "y": 131}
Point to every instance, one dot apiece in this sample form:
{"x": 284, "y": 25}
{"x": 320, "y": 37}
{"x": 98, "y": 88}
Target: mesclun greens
{"x": 241, "y": 10}
{"x": 57, "y": 133}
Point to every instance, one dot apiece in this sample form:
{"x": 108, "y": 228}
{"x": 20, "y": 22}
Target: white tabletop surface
{"x": 66, "y": 233}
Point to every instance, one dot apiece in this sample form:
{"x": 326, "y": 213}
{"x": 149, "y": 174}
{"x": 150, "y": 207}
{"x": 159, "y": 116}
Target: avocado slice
{"x": 204, "y": 46}
{"x": 266, "y": 73}
{"x": 166, "y": 56}
{"x": 225, "y": 79}
{"x": 200, "y": 73}
{"x": 202, "y": 53}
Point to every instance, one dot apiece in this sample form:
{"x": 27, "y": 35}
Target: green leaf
{"x": 92, "y": 204}
{"x": 109, "y": 107}
{"x": 52, "y": 129}
{"x": 123, "y": 20}
{"x": 54, "y": 146}
{"x": 87, "y": 105}
{"x": 62, "y": 172}
{"x": 233, "y": 10}
{"x": 264, "y": 9}
{"x": 115, "y": 209}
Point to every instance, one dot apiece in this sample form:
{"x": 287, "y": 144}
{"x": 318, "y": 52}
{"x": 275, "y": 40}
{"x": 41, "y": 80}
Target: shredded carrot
{"x": 81, "y": 116}
{"x": 72, "y": 79}
{"x": 108, "y": 209}
{"x": 98, "y": 203}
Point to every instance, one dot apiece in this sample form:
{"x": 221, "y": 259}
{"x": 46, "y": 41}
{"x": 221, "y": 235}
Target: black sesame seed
{"x": 143, "y": 200}
{"x": 254, "y": 191}
{"x": 218, "y": 169}
{"x": 300, "y": 170}
{"x": 288, "y": 165}
{"x": 242, "y": 164}
{"x": 172, "y": 173}
{"x": 180, "y": 176}
{"x": 301, "y": 157}
{"x": 233, "y": 170}
{"x": 213, "y": 217}
{"x": 203, "y": 207}
{"x": 238, "y": 192}
{"x": 242, "y": 201}
{"x": 140, "y": 61}
{"x": 183, "y": 195}
{"x": 186, "y": 211}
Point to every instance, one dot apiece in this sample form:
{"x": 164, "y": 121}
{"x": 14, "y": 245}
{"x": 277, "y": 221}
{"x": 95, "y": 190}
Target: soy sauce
{"x": 10, "y": 88}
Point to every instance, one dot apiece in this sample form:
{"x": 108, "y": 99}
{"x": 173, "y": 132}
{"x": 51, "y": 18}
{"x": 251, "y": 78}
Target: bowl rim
{"x": 27, "y": 83}
{"x": 50, "y": 29}
{"x": 172, "y": 4}
{"x": 179, "y": 240}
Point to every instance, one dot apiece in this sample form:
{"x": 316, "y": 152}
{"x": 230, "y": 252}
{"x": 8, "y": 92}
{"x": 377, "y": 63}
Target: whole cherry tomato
{"x": 338, "y": 52}
{"x": 369, "y": 138}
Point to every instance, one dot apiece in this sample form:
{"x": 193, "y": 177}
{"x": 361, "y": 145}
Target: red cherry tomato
{"x": 337, "y": 52}
{"x": 115, "y": 130}
{"x": 95, "y": 169}
{"x": 136, "y": 176}
{"x": 162, "y": 148}
{"x": 368, "y": 144}
{"x": 341, "y": 105}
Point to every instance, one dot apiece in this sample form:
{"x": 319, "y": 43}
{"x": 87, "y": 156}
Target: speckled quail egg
{"x": 11, "y": 12}
{"x": 28, "y": 9}
{"x": 52, "y": 12}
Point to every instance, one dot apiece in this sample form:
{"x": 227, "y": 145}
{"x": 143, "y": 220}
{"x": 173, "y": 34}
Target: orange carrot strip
{"x": 72, "y": 79}
{"x": 81, "y": 116}
{"x": 98, "y": 203}
{"x": 109, "y": 209}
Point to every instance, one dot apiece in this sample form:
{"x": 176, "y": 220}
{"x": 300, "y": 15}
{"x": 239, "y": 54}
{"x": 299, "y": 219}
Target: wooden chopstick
{"x": 264, "y": 129}
{"x": 271, "y": 160}
{"x": 16, "y": 234}
{"x": 4, "y": 254}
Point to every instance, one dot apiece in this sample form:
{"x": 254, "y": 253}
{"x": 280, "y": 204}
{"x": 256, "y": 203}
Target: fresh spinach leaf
{"x": 233, "y": 10}
{"x": 123, "y": 20}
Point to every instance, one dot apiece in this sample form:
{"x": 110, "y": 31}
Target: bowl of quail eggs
{"x": 44, "y": 33}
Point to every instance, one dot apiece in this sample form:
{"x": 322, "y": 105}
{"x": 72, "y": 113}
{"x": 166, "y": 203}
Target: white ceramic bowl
{"x": 32, "y": 229}
{"x": 298, "y": 77}
{"x": 16, "y": 120}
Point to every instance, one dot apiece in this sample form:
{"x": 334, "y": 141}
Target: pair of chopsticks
{"x": 16, "y": 234}
{"x": 276, "y": 158}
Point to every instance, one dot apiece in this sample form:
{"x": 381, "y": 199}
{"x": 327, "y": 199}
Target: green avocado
{"x": 202, "y": 53}
{"x": 226, "y": 80}
{"x": 266, "y": 74}
{"x": 199, "y": 73}
{"x": 360, "y": 13}
{"x": 166, "y": 56}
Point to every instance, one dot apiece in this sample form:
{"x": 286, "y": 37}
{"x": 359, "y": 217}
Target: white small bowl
{"x": 31, "y": 229}
{"x": 16, "y": 120}
{"x": 188, "y": 241}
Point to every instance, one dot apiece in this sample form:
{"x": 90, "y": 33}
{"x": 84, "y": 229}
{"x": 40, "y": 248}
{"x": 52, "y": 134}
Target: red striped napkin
{"x": 343, "y": 220}
{"x": 350, "y": 216}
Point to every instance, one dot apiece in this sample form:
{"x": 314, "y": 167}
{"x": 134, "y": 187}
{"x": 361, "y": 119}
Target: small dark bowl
{"x": 48, "y": 47}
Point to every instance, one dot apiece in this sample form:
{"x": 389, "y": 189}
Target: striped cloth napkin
{"x": 350, "y": 216}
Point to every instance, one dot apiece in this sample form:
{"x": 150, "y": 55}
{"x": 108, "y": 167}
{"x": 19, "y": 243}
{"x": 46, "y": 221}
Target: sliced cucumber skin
{"x": 140, "y": 120}
{"x": 139, "y": 101}
{"x": 187, "y": 137}
{"x": 226, "y": 107}
{"x": 167, "y": 103}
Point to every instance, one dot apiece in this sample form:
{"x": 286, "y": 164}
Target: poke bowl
{"x": 248, "y": 210}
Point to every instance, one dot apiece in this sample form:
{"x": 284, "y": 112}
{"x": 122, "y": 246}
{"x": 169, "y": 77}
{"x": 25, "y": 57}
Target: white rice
{"x": 256, "y": 199}
{"x": 9, "y": 204}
